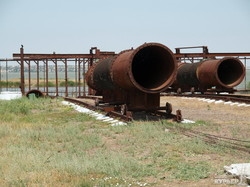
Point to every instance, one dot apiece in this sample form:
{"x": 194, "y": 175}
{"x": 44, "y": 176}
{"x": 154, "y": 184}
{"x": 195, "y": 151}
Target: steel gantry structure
{"x": 205, "y": 54}
{"x": 81, "y": 63}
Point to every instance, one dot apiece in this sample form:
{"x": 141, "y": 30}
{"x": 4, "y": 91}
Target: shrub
{"x": 70, "y": 83}
{"x": 43, "y": 84}
{"x": 9, "y": 84}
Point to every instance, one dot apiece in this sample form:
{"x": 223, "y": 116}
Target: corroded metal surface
{"x": 84, "y": 61}
{"x": 116, "y": 112}
{"x": 134, "y": 77}
{"x": 37, "y": 93}
{"x": 150, "y": 68}
{"x": 227, "y": 97}
{"x": 186, "y": 75}
{"x": 227, "y": 72}
{"x": 223, "y": 73}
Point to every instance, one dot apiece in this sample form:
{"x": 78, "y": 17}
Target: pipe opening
{"x": 231, "y": 72}
{"x": 36, "y": 93}
{"x": 152, "y": 67}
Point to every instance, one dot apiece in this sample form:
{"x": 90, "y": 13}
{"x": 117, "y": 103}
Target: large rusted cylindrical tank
{"x": 150, "y": 68}
{"x": 223, "y": 73}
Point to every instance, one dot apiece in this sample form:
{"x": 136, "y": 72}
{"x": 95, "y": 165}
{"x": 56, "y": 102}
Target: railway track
{"x": 98, "y": 108}
{"x": 223, "y": 97}
{"x": 116, "y": 111}
{"x": 232, "y": 143}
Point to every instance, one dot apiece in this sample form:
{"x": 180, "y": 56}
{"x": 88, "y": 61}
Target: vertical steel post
{"x": 29, "y": 75}
{"x": 22, "y": 86}
{"x": 47, "y": 77}
{"x": 44, "y": 84}
{"x": 0, "y": 77}
{"x": 56, "y": 71}
{"x": 37, "y": 74}
{"x": 79, "y": 77}
{"x": 7, "y": 77}
{"x": 66, "y": 77}
{"x": 245, "y": 62}
{"x": 76, "y": 76}
{"x": 84, "y": 71}
{"x": 90, "y": 63}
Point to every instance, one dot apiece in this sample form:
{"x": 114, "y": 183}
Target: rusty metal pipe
{"x": 37, "y": 93}
{"x": 226, "y": 73}
{"x": 150, "y": 68}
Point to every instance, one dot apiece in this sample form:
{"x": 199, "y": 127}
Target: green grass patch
{"x": 43, "y": 84}
{"x": 10, "y": 84}
{"x": 191, "y": 170}
{"x": 70, "y": 83}
{"x": 42, "y": 136}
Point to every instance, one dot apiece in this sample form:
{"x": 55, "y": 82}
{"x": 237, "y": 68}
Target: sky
{"x": 74, "y": 26}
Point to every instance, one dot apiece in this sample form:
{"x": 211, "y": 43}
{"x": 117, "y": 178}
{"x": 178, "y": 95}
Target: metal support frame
{"x": 76, "y": 85}
{"x": 79, "y": 77}
{"x": 47, "y": 76}
{"x": 7, "y": 77}
{"x": 66, "y": 77}
{"x": 83, "y": 61}
{"x": 22, "y": 86}
{"x": 37, "y": 73}
{"x": 84, "y": 82}
{"x": 245, "y": 79}
{"x": 197, "y": 57}
{"x": 56, "y": 71}
{"x": 29, "y": 73}
{"x": 0, "y": 77}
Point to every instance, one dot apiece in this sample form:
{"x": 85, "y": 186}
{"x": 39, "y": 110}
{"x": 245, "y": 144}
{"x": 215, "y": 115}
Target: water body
{"x": 243, "y": 83}
{"x": 33, "y": 75}
{"x": 73, "y": 76}
{"x": 15, "y": 76}
{"x": 72, "y": 91}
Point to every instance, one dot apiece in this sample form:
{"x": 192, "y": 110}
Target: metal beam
{"x": 79, "y": 77}
{"x": 47, "y": 76}
{"x": 56, "y": 71}
{"x": 22, "y": 86}
{"x": 183, "y": 55}
{"x": 191, "y": 47}
{"x": 63, "y": 56}
{"x": 66, "y": 78}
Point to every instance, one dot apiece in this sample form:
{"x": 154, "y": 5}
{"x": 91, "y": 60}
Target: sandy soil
{"x": 219, "y": 119}
{"x": 223, "y": 120}
{"x": 228, "y": 120}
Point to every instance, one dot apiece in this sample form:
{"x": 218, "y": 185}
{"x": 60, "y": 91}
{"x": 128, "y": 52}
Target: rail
{"x": 224, "y": 97}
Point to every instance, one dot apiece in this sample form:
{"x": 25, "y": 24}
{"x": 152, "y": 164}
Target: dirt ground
{"x": 220, "y": 119}
{"x": 225, "y": 120}
{"x": 231, "y": 121}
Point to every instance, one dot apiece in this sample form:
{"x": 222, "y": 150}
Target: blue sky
{"x": 73, "y": 26}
